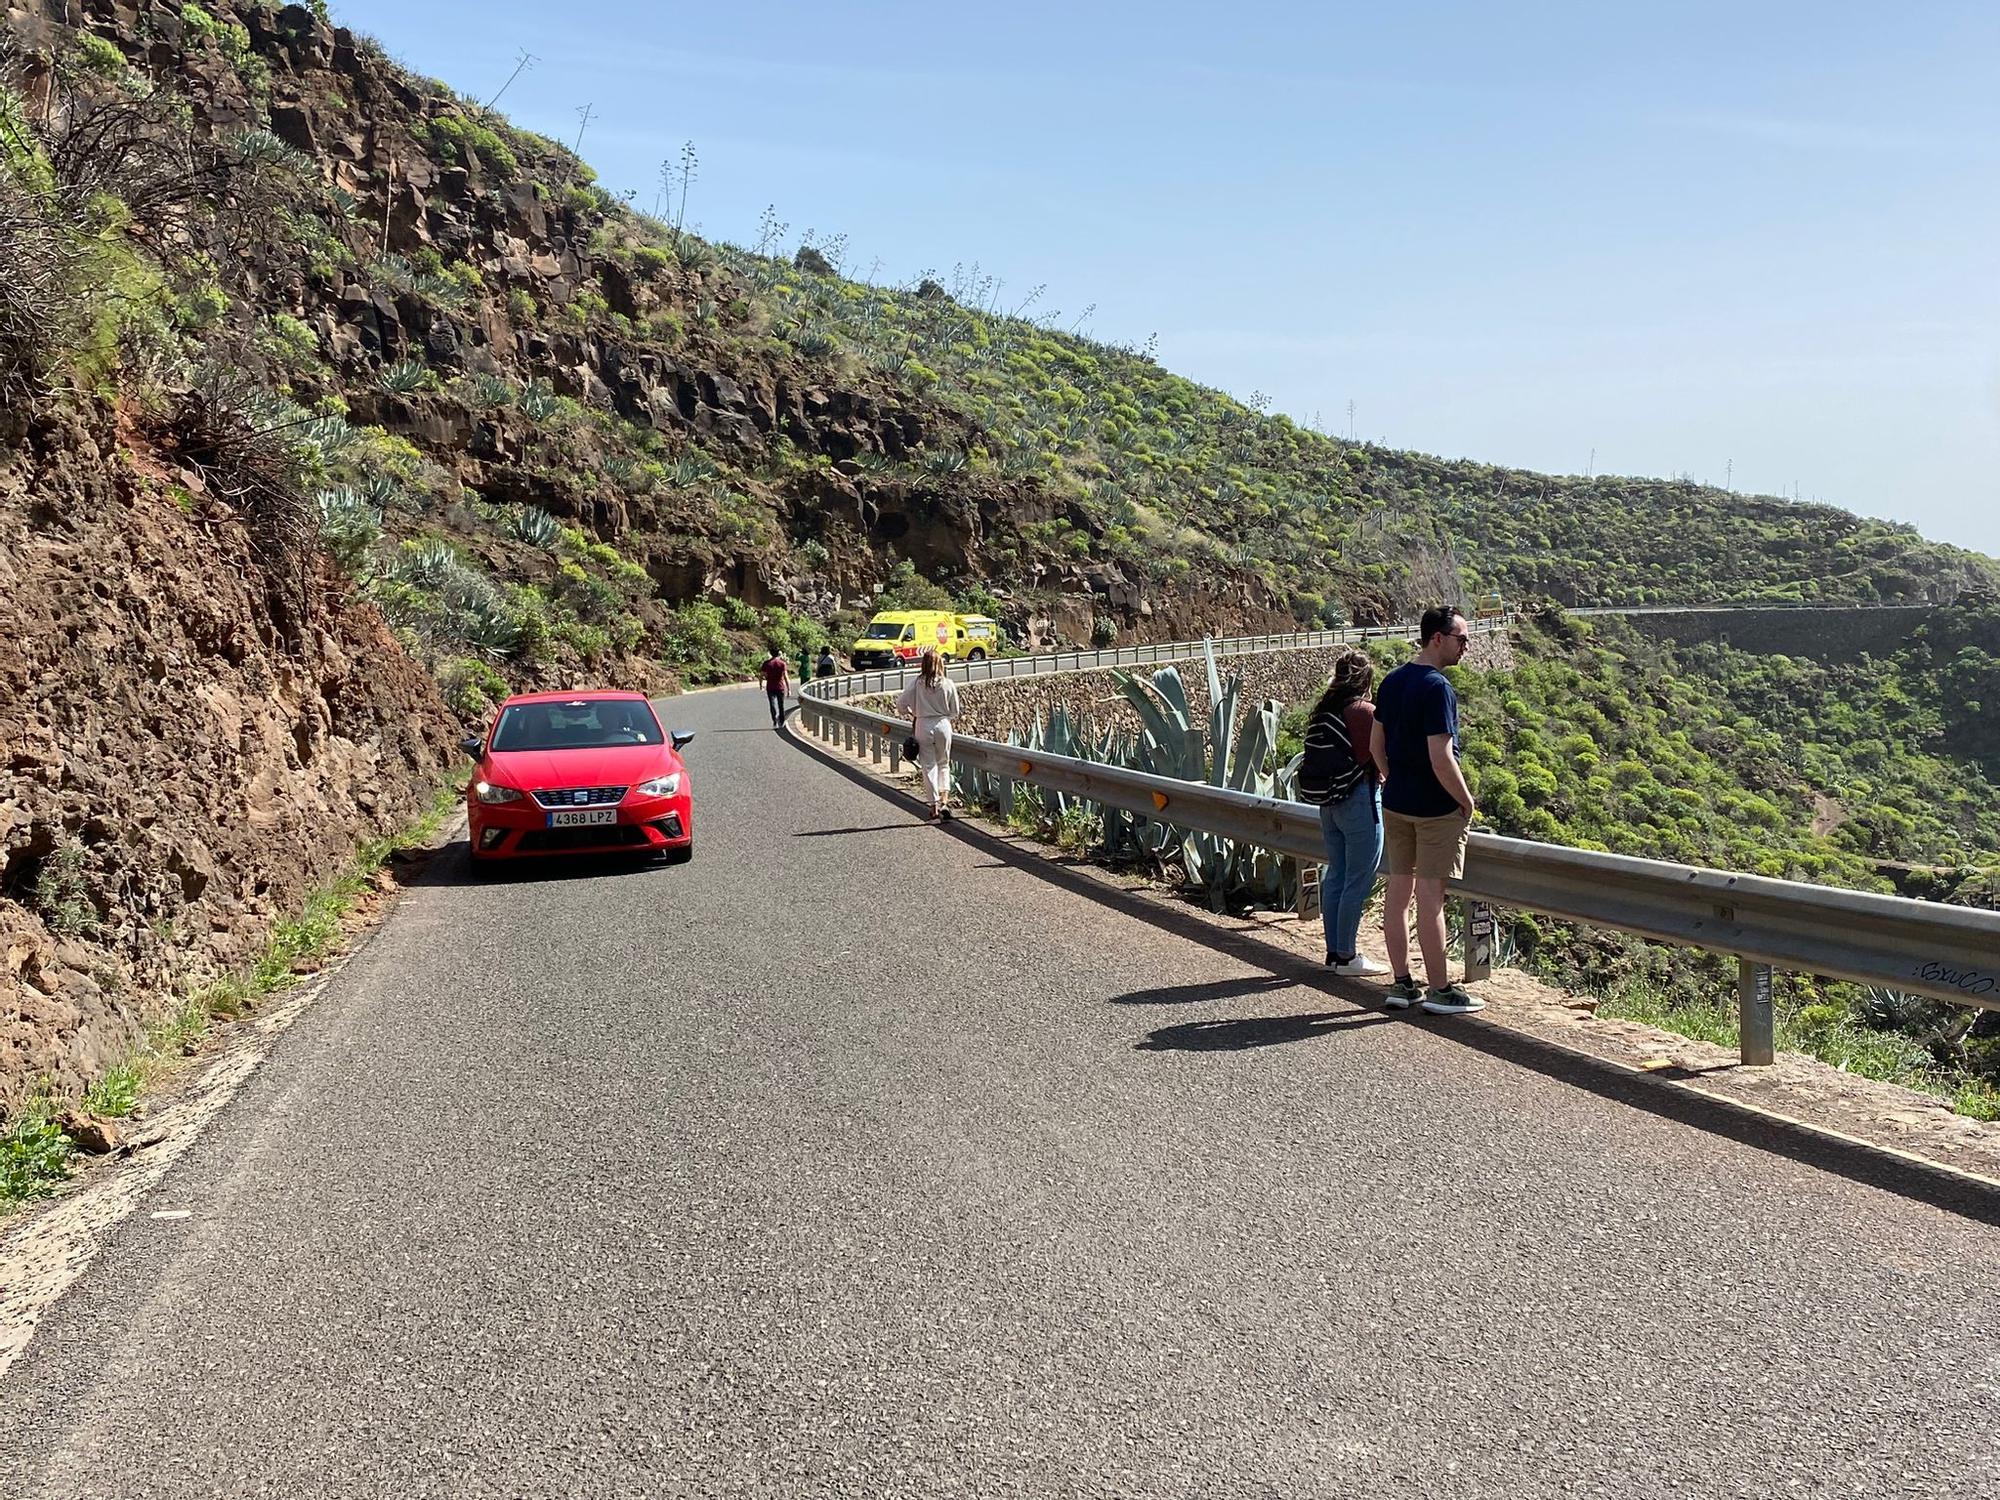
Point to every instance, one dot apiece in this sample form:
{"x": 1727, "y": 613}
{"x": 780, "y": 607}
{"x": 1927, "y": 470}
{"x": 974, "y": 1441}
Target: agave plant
{"x": 392, "y": 271}
{"x": 446, "y": 291}
{"x": 538, "y": 401}
{"x": 483, "y": 392}
{"x": 688, "y": 470}
{"x": 260, "y": 148}
{"x": 945, "y": 461}
{"x": 348, "y": 524}
{"x": 1232, "y": 752}
{"x": 535, "y": 526}
{"x": 427, "y": 564}
{"x": 485, "y": 622}
{"x": 327, "y": 437}
{"x": 406, "y": 376}
{"x": 814, "y": 341}
{"x": 381, "y": 491}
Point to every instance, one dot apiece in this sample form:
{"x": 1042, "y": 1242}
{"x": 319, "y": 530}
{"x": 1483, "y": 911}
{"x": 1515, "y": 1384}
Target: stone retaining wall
{"x": 993, "y": 708}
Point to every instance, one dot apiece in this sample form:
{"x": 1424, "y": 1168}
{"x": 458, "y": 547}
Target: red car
{"x": 579, "y": 773}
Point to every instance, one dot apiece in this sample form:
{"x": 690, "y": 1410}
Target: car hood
{"x": 615, "y": 765}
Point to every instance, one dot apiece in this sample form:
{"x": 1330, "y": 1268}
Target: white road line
{"x": 42, "y": 1258}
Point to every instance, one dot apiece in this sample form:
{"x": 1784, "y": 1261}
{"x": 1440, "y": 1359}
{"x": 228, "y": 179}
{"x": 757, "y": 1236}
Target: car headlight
{"x": 661, "y": 786}
{"x": 488, "y": 793}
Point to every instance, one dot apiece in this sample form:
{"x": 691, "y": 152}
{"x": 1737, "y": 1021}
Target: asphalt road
{"x": 859, "y": 1158}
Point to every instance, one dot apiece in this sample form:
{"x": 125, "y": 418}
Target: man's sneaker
{"x": 1452, "y": 1000}
{"x": 1404, "y": 993}
{"x": 1359, "y": 967}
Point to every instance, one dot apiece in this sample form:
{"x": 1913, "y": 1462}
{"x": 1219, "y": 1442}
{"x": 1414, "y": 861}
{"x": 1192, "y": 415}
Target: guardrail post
{"x": 895, "y": 755}
{"x": 1477, "y": 918}
{"x": 847, "y": 738}
{"x": 1756, "y": 1022}
{"x": 875, "y": 746}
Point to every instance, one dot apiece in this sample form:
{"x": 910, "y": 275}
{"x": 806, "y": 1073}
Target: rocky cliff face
{"x": 453, "y": 246}
{"x": 179, "y": 763}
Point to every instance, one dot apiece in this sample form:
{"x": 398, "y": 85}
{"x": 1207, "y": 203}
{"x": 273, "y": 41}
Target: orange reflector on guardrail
{"x": 1027, "y": 768}
{"x": 1160, "y": 801}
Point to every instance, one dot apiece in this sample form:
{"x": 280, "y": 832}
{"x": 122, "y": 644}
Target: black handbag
{"x": 910, "y": 747}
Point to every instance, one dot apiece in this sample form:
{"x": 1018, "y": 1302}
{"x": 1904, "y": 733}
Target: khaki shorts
{"x": 1428, "y": 848}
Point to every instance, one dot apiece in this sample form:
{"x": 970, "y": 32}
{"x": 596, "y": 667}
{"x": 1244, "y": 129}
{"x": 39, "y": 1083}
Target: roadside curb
{"x": 55, "y": 1243}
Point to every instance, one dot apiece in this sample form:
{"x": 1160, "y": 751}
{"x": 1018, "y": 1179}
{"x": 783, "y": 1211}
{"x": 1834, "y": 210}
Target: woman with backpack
{"x": 931, "y": 699}
{"x": 1339, "y": 774}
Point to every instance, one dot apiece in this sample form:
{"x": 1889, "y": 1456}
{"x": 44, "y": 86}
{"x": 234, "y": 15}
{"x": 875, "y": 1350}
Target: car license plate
{"x": 583, "y": 816}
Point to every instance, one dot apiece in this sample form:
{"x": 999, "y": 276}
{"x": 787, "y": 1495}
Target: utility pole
{"x": 1350, "y": 419}
{"x": 583, "y": 124}
{"x": 1729, "y": 475}
{"x": 1590, "y": 469}
{"x": 525, "y": 60}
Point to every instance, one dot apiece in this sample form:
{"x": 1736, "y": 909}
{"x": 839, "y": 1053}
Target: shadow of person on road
{"x": 1197, "y": 994}
{"x": 827, "y": 833}
{"x": 1243, "y": 1033}
{"x": 1910, "y": 1177}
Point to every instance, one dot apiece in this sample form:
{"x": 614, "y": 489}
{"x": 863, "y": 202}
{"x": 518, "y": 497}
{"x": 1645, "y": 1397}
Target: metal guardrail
{"x": 889, "y": 679}
{"x": 1922, "y": 947}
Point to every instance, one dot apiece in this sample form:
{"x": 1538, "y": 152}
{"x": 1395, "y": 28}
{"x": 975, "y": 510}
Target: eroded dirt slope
{"x": 179, "y": 760}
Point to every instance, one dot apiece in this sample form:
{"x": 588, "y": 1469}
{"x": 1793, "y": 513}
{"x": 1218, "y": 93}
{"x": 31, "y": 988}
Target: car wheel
{"x": 976, "y": 655}
{"x": 681, "y": 855}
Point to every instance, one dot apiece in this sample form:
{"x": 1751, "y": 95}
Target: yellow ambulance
{"x": 896, "y": 637}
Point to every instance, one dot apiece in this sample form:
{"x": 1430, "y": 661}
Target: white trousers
{"x": 934, "y": 755}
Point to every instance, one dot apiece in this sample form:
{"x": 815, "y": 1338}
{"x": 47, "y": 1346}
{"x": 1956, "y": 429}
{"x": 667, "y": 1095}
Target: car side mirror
{"x": 473, "y": 745}
{"x": 682, "y": 738}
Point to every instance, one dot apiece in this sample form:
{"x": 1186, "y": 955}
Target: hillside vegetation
{"x": 549, "y": 434}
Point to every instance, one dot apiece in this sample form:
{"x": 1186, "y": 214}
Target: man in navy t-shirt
{"x": 1426, "y": 808}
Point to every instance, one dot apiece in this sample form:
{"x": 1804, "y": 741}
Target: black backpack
{"x": 1329, "y": 771}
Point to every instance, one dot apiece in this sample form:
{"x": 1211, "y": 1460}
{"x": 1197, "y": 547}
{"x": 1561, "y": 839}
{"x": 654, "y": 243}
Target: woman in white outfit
{"x": 931, "y": 700}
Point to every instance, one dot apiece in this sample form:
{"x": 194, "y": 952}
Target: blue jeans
{"x": 1352, "y": 830}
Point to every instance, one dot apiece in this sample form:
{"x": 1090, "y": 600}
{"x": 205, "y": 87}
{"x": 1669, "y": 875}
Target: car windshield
{"x": 580, "y": 724}
{"x": 883, "y": 630}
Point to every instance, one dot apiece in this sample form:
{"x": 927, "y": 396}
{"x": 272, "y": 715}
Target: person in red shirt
{"x": 777, "y": 684}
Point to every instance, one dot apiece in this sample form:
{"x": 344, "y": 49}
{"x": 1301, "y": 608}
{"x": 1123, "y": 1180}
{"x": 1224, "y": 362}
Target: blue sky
{"x": 1755, "y": 242}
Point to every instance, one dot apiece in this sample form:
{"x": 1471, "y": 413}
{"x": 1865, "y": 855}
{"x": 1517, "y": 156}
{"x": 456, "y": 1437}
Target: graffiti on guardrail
{"x": 1966, "y": 981}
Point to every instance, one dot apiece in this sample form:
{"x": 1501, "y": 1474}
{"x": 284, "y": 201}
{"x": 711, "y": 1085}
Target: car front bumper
{"x": 520, "y": 830}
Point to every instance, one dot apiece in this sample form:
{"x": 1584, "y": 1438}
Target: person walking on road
{"x": 1340, "y": 775}
{"x": 826, "y": 666}
{"x": 1427, "y": 809}
{"x": 931, "y": 701}
{"x": 777, "y": 684}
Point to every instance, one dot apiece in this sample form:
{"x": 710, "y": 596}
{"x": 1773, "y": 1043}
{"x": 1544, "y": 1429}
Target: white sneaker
{"x": 1360, "y": 966}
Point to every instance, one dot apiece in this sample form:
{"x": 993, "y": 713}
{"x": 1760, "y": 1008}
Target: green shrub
{"x": 471, "y": 688}
{"x": 100, "y": 56}
{"x": 113, "y": 1095}
{"x": 695, "y": 641}
{"x": 62, "y": 890}
{"x": 34, "y": 1154}
{"x": 290, "y": 341}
